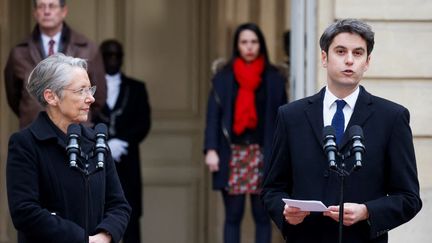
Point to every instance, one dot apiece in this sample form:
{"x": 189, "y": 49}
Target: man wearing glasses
{"x": 50, "y": 35}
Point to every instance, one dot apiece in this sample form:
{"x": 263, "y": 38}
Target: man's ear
{"x": 65, "y": 12}
{"x": 367, "y": 63}
{"x": 50, "y": 97}
{"x": 324, "y": 59}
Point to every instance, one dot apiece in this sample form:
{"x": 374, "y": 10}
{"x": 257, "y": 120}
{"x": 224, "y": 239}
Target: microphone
{"x": 329, "y": 145}
{"x": 356, "y": 134}
{"x": 72, "y": 148}
{"x": 101, "y": 147}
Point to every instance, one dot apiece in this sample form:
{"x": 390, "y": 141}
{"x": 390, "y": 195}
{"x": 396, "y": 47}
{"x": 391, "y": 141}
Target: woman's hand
{"x": 212, "y": 160}
{"x": 102, "y": 237}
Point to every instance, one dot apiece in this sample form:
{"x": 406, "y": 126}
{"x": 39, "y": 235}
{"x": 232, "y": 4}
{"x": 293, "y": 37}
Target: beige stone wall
{"x": 401, "y": 70}
{"x": 171, "y": 46}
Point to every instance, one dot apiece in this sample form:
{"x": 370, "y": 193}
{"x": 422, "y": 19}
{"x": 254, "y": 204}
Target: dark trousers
{"x": 234, "y": 210}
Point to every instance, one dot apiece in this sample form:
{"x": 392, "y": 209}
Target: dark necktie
{"x": 51, "y": 47}
{"x": 338, "y": 121}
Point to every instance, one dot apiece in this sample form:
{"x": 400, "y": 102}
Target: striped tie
{"x": 51, "y": 47}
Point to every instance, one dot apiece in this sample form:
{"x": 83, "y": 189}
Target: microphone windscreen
{"x": 101, "y": 128}
{"x": 74, "y": 129}
{"x": 328, "y": 130}
{"x": 355, "y": 130}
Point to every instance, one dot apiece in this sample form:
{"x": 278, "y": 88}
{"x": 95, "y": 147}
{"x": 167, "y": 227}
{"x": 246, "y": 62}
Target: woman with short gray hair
{"x": 47, "y": 198}
{"x": 53, "y": 73}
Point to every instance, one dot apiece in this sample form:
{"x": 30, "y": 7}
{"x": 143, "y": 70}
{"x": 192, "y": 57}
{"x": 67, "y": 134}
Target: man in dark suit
{"x": 380, "y": 196}
{"x": 50, "y": 35}
{"x": 127, "y": 115}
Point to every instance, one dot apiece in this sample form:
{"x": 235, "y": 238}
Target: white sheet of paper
{"x": 306, "y": 205}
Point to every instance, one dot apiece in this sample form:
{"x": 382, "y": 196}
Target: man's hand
{"x": 212, "y": 160}
{"x": 118, "y": 148}
{"x": 293, "y": 215}
{"x": 102, "y": 237}
{"x": 353, "y": 213}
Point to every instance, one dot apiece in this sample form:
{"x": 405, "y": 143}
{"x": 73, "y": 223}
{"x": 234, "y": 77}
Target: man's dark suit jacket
{"x": 387, "y": 183}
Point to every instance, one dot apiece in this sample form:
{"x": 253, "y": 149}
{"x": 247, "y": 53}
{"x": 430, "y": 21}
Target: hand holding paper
{"x": 306, "y": 205}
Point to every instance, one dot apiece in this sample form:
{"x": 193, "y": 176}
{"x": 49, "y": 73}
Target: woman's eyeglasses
{"x": 83, "y": 92}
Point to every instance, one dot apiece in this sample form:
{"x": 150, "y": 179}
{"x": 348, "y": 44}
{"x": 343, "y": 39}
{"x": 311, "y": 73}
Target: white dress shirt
{"x": 46, "y": 39}
{"x": 329, "y": 106}
{"x": 113, "y": 89}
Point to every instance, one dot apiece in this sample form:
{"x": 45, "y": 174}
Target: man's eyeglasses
{"x": 83, "y": 92}
{"x": 50, "y": 6}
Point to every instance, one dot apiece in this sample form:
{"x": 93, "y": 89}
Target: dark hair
{"x": 254, "y": 28}
{"x": 105, "y": 44}
{"x": 354, "y": 26}
{"x": 62, "y": 3}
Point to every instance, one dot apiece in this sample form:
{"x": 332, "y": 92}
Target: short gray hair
{"x": 54, "y": 73}
{"x": 62, "y": 3}
{"x": 354, "y": 26}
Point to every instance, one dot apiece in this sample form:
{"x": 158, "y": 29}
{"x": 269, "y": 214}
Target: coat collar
{"x": 314, "y": 113}
{"x": 362, "y": 111}
{"x": 44, "y": 129}
{"x": 70, "y": 40}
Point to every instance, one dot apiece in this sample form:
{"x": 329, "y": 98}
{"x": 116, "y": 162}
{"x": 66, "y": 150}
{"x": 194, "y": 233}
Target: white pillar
{"x": 297, "y": 50}
{"x": 303, "y": 48}
{"x": 311, "y": 47}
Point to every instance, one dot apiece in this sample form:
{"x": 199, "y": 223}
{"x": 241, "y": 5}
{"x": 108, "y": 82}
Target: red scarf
{"x": 248, "y": 76}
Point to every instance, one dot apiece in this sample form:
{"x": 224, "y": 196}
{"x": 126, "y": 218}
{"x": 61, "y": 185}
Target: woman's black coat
{"x": 47, "y": 197}
{"x": 220, "y": 116}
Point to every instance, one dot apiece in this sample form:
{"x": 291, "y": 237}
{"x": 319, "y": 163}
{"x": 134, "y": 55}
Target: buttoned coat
{"x": 47, "y": 198}
{"x": 27, "y": 54}
{"x": 220, "y": 108}
{"x": 387, "y": 183}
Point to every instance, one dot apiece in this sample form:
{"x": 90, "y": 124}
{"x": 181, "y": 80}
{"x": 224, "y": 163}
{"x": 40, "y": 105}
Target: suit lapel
{"x": 362, "y": 111}
{"x": 35, "y": 50}
{"x": 314, "y": 114}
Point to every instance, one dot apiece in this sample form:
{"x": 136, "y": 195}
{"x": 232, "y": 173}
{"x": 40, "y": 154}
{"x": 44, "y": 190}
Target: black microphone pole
{"x": 73, "y": 150}
{"x": 341, "y": 201}
{"x": 74, "y": 153}
{"x": 330, "y": 149}
{"x": 357, "y": 149}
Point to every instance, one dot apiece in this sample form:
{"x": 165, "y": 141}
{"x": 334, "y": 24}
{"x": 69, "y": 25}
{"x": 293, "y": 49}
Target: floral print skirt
{"x": 245, "y": 169}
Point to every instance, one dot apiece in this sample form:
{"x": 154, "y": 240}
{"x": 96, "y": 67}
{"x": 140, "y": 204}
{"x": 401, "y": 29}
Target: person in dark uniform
{"x": 127, "y": 115}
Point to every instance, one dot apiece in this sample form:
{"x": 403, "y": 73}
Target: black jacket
{"x": 129, "y": 120}
{"x": 47, "y": 197}
{"x": 387, "y": 183}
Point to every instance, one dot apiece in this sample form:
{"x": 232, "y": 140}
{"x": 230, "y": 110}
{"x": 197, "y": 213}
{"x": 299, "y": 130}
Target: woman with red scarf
{"x": 241, "y": 115}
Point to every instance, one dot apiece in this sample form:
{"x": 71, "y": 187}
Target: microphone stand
{"x": 86, "y": 173}
{"x": 342, "y": 173}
